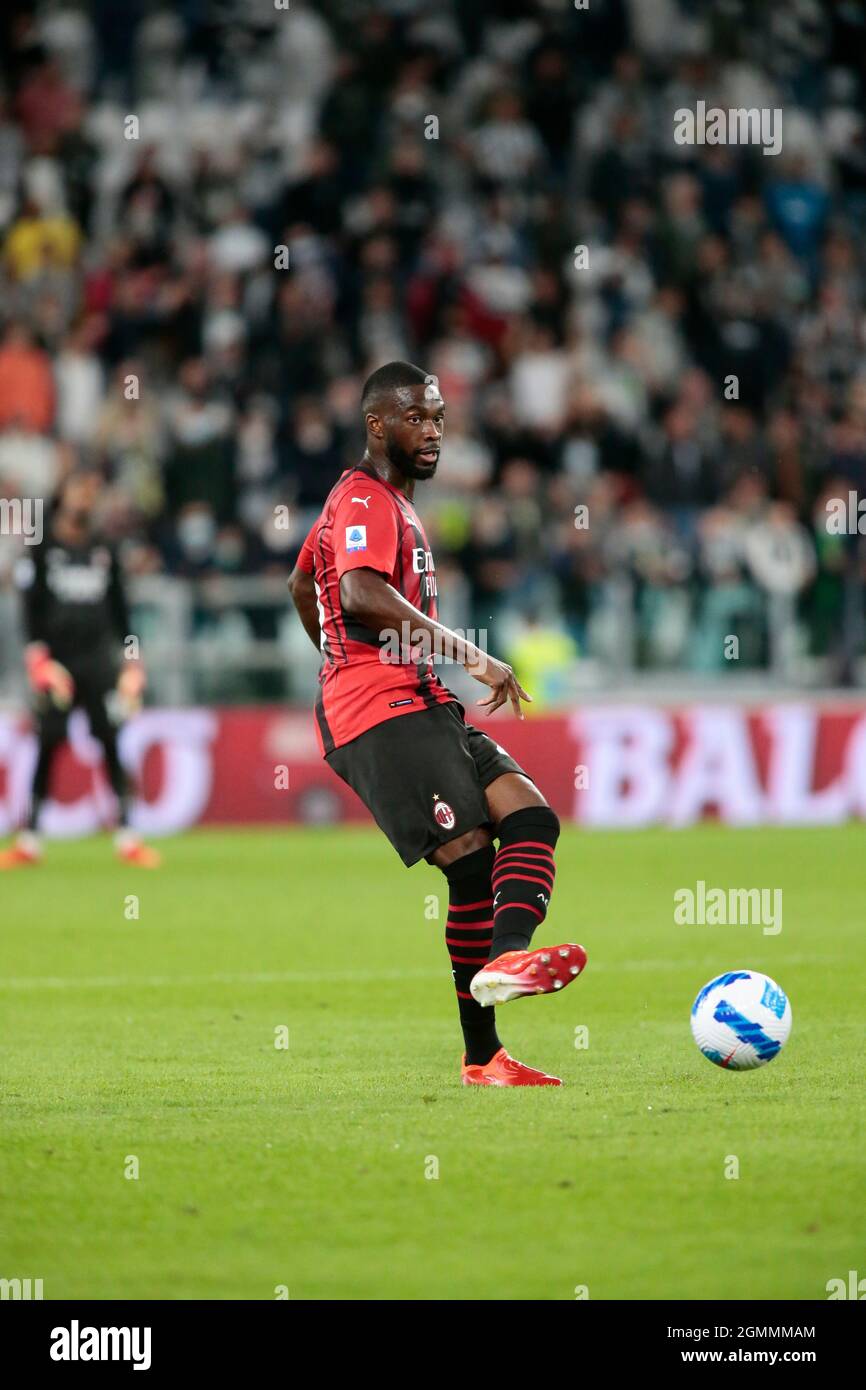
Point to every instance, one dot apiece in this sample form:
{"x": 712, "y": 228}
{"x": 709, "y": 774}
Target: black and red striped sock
{"x": 468, "y": 934}
{"x": 523, "y": 876}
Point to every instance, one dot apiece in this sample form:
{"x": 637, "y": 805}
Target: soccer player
{"x": 365, "y": 589}
{"x": 76, "y": 619}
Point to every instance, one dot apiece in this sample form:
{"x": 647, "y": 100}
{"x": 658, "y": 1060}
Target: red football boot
{"x": 518, "y": 973}
{"x": 503, "y": 1070}
{"x": 25, "y": 851}
{"x": 132, "y": 850}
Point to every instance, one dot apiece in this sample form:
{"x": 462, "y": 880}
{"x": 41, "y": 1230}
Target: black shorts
{"x": 422, "y": 776}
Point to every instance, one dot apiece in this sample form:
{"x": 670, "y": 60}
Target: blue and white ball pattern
{"x": 741, "y": 1020}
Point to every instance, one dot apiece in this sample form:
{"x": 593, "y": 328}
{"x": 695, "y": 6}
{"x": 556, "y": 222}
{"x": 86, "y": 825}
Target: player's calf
{"x": 468, "y": 934}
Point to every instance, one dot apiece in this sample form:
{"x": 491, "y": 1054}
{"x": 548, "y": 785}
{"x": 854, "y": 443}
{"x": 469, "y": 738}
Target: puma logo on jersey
{"x": 495, "y": 900}
{"x": 365, "y": 501}
{"x": 545, "y": 900}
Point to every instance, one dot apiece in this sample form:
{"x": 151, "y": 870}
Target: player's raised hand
{"x": 503, "y": 683}
{"x": 47, "y": 676}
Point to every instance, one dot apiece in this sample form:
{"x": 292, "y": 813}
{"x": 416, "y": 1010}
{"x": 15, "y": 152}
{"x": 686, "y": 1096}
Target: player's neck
{"x": 384, "y": 469}
{"x": 70, "y": 532}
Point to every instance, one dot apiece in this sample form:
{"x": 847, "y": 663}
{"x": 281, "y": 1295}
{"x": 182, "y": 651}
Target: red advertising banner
{"x": 625, "y": 765}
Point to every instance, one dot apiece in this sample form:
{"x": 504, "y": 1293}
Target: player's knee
{"x": 541, "y": 821}
{"x": 470, "y": 843}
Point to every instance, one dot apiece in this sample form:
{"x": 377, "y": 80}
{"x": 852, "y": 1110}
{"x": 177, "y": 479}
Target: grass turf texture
{"x": 305, "y": 1167}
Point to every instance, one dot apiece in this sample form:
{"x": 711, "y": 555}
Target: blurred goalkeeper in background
{"x": 76, "y": 620}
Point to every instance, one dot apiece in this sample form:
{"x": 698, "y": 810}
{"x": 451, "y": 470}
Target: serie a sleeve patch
{"x": 356, "y": 538}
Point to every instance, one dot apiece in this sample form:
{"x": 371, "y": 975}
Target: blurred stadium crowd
{"x": 429, "y": 170}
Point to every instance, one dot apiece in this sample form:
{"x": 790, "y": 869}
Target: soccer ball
{"x": 741, "y": 1020}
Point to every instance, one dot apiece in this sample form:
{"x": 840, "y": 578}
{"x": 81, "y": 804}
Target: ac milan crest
{"x": 443, "y": 813}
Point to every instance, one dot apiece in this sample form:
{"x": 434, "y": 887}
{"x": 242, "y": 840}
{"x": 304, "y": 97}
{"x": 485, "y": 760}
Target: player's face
{"x": 413, "y": 430}
{"x": 79, "y": 497}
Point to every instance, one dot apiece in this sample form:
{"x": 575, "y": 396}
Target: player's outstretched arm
{"x": 368, "y": 597}
{"x": 303, "y": 591}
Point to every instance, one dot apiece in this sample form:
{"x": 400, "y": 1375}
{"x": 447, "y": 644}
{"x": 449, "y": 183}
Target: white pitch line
{"x": 160, "y": 981}
{"x": 295, "y": 977}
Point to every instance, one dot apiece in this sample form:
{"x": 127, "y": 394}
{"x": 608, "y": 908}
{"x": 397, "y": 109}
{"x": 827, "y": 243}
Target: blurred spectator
{"x": 27, "y": 396}
{"x": 46, "y": 106}
{"x": 199, "y": 463}
{"x": 43, "y": 237}
{"x": 543, "y": 656}
{"x": 80, "y": 382}
{"x": 314, "y": 455}
{"x": 652, "y": 354}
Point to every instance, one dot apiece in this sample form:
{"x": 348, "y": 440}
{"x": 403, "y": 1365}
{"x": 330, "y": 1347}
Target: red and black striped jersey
{"x": 367, "y": 676}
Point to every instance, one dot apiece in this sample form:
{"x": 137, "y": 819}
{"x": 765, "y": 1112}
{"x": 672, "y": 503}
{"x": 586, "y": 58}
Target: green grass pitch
{"x": 307, "y": 1167}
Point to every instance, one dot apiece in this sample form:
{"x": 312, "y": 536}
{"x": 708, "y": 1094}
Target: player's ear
{"x": 374, "y": 425}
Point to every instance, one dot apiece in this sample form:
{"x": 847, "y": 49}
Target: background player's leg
{"x": 50, "y": 732}
{"x": 105, "y": 732}
{"x": 128, "y": 844}
{"x": 524, "y": 870}
{"x": 467, "y": 864}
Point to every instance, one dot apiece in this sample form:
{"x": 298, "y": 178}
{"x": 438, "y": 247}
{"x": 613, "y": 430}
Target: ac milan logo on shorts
{"x": 444, "y": 815}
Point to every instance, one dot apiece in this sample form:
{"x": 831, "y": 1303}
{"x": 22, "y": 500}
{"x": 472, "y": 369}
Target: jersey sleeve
{"x": 30, "y": 581}
{"x": 365, "y": 534}
{"x": 306, "y": 560}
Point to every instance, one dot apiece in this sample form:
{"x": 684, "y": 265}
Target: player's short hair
{"x": 390, "y": 378}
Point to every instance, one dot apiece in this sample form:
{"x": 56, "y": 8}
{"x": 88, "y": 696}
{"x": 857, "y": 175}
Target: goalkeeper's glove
{"x": 48, "y": 677}
{"x": 130, "y": 688}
